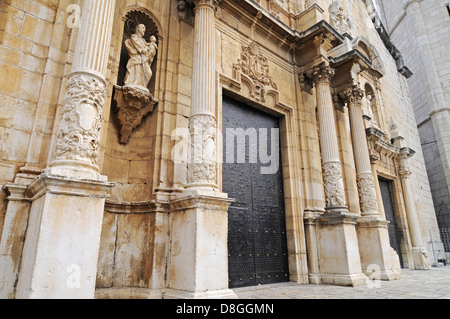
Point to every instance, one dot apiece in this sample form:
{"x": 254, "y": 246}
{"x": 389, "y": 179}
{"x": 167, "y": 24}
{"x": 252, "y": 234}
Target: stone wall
{"x": 426, "y": 22}
{"x": 37, "y": 41}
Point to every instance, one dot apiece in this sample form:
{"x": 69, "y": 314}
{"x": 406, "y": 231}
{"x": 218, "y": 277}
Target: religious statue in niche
{"x": 142, "y": 53}
{"x": 134, "y": 100}
{"x": 338, "y": 18}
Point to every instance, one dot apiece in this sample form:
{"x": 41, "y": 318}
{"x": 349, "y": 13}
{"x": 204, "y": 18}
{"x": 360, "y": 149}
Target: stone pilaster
{"x": 63, "y": 237}
{"x": 373, "y": 237}
{"x": 337, "y": 234}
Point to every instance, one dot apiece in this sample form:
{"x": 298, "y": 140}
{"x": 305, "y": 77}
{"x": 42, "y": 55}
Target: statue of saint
{"x": 338, "y": 19}
{"x": 141, "y": 54}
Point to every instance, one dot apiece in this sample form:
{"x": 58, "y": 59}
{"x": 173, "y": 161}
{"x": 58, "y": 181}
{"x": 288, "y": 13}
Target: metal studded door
{"x": 257, "y": 245}
{"x": 388, "y": 204}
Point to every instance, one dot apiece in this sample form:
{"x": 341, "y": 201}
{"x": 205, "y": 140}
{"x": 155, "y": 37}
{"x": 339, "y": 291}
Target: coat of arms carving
{"x": 255, "y": 65}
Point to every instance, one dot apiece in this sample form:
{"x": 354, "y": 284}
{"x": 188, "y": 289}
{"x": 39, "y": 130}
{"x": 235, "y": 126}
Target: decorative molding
{"x": 81, "y": 120}
{"x": 116, "y": 207}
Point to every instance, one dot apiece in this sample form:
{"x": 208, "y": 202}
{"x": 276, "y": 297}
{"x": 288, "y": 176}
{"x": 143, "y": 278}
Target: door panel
{"x": 389, "y": 209}
{"x": 257, "y": 245}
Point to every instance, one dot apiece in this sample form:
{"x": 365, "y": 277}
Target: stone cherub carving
{"x": 338, "y": 18}
{"x": 141, "y": 54}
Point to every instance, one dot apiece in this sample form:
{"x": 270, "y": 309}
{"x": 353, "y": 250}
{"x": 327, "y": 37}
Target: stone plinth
{"x": 198, "y": 259}
{"x": 63, "y": 237}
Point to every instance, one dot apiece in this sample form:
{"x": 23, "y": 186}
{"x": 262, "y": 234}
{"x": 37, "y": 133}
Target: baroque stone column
{"x": 365, "y": 179}
{"x": 63, "y": 236}
{"x": 202, "y": 167}
{"x": 337, "y": 234}
{"x": 331, "y": 163}
{"x": 419, "y": 253}
{"x": 198, "y": 257}
{"x": 372, "y": 228}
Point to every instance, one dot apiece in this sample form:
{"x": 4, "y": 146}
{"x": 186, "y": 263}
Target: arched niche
{"x": 132, "y": 101}
{"x": 369, "y": 51}
{"x": 371, "y": 105}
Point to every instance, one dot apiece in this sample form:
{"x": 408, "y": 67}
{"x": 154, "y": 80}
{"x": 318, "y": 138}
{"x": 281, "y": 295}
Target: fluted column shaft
{"x": 62, "y": 243}
{"x": 202, "y": 167}
{"x": 365, "y": 179}
{"x": 331, "y": 164}
{"x": 78, "y": 138}
{"x": 419, "y": 253}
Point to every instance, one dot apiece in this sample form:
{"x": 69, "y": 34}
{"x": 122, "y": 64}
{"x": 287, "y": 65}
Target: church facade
{"x": 180, "y": 149}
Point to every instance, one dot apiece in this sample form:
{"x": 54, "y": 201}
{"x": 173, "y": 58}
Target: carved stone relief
{"x": 81, "y": 120}
{"x": 202, "y": 167}
{"x": 333, "y": 184}
{"x": 255, "y": 65}
{"x": 338, "y": 18}
{"x": 367, "y": 194}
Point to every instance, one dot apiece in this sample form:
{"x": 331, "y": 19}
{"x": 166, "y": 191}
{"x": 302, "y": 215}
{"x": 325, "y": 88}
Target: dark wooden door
{"x": 257, "y": 243}
{"x": 389, "y": 209}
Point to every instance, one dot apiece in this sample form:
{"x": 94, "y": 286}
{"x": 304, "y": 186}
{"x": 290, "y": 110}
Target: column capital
{"x": 352, "y": 95}
{"x": 197, "y": 3}
{"x": 321, "y": 73}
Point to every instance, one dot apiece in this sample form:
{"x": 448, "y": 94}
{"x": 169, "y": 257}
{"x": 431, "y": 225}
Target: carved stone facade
{"x": 88, "y": 164}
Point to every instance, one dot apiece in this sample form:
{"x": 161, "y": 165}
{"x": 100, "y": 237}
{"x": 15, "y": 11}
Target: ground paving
{"x": 414, "y": 284}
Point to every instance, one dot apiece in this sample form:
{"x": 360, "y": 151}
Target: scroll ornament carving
{"x": 367, "y": 194}
{"x": 333, "y": 184}
{"x": 81, "y": 121}
{"x": 202, "y": 167}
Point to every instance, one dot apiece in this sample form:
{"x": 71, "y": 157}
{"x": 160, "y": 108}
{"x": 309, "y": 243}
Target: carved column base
{"x": 198, "y": 246}
{"x": 375, "y": 249}
{"x": 311, "y": 231}
{"x": 11, "y": 240}
{"x": 339, "y": 255}
{"x": 133, "y": 105}
{"x": 421, "y": 259}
